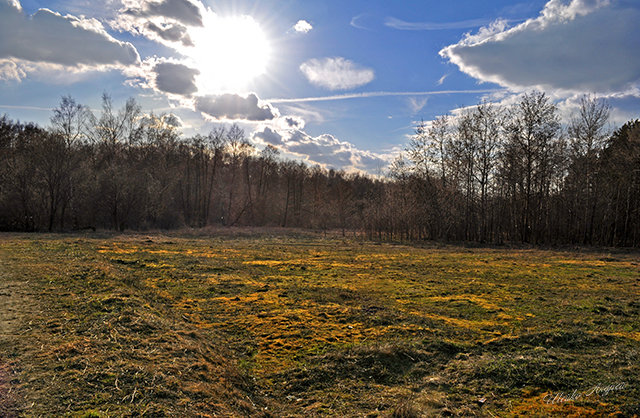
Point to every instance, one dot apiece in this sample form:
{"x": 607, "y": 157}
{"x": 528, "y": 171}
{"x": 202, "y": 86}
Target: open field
{"x": 292, "y": 325}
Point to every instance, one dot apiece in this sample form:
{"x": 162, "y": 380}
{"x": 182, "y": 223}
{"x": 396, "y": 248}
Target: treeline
{"x": 123, "y": 169}
{"x": 494, "y": 174}
{"x": 488, "y": 174}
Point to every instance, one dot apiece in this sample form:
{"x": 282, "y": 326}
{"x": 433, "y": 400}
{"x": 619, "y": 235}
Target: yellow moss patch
{"x": 538, "y": 406}
{"x": 117, "y": 250}
{"x": 583, "y": 263}
{"x": 263, "y": 262}
{"x": 478, "y": 300}
{"x": 461, "y": 323}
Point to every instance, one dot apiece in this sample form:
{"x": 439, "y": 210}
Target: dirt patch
{"x": 8, "y": 401}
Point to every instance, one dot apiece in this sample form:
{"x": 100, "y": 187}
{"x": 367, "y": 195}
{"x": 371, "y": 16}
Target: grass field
{"x": 298, "y": 325}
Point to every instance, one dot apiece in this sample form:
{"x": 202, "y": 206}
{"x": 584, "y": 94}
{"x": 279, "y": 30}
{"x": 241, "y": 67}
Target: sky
{"x": 336, "y": 83}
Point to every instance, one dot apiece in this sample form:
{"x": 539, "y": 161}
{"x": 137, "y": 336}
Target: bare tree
{"x": 587, "y": 134}
{"x": 428, "y": 147}
{"x": 237, "y": 151}
{"x": 488, "y": 122}
{"x": 532, "y": 131}
{"x": 115, "y": 127}
{"x": 115, "y": 132}
{"x": 68, "y": 120}
{"x": 56, "y": 159}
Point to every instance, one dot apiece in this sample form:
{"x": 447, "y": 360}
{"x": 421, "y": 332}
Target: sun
{"x": 228, "y": 51}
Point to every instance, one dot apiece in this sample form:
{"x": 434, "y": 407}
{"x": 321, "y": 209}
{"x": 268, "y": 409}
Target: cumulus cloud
{"x": 172, "y": 32}
{"x": 269, "y": 136}
{"x": 50, "y": 38}
{"x": 302, "y": 26}
{"x": 235, "y": 107}
{"x": 169, "y": 120}
{"x": 184, "y": 11}
{"x": 288, "y": 135}
{"x": 294, "y": 122}
{"x": 325, "y": 150}
{"x": 163, "y": 21}
{"x": 175, "y": 78}
{"x": 336, "y": 73}
{"x": 9, "y": 70}
{"x": 574, "y": 45}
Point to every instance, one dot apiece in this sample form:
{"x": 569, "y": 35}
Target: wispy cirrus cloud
{"x": 416, "y": 104}
{"x": 336, "y": 73}
{"x": 357, "y": 23}
{"x": 399, "y": 24}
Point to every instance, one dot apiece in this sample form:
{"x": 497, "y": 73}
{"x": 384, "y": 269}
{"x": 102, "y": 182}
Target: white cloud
{"x": 336, "y": 73}
{"x": 268, "y": 136}
{"x": 9, "y": 70}
{"x": 290, "y": 122}
{"x": 325, "y": 150}
{"x": 302, "y": 26}
{"x": 164, "y": 21}
{"x": 15, "y": 4}
{"x": 294, "y": 122}
{"x": 235, "y": 107}
{"x": 165, "y": 120}
{"x": 573, "y": 46}
{"x": 175, "y": 78}
{"x": 171, "y": 32}
{"x": 186, "y": 12}
{"x": 49, "y": 38}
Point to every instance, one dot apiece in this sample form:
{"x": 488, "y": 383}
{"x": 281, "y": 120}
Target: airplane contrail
{"x": 377, "y": 94}
{"x": 47, "y": 109}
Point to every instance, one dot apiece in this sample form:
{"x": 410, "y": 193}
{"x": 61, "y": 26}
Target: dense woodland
{"x": 487, "y": 174}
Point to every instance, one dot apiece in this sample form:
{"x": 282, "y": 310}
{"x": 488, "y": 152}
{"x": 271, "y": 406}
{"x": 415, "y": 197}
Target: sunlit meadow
{"x": 273, "y": 324}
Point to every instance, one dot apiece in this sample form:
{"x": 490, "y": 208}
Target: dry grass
{"x": 301, "y": 325}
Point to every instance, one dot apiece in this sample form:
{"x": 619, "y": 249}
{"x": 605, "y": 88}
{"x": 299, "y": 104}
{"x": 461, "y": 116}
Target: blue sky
{"x": 339, "y": 83}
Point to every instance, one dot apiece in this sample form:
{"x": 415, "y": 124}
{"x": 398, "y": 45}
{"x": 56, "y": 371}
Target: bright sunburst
{"x": 229, "y": 52}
